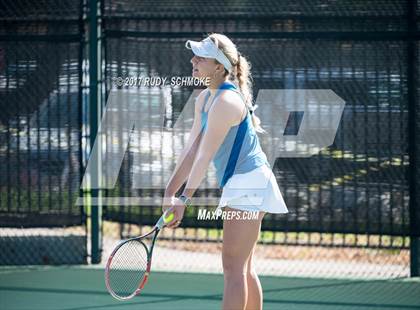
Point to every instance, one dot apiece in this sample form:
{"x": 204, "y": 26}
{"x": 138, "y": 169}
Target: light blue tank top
{"x": 240, "y": 151}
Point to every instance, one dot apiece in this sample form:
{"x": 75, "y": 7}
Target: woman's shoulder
{"x": 199, "y": 100}
{"x": 203, "y": 93}
{"x": 231, "y": 100}
{"x": 229, "y": 105}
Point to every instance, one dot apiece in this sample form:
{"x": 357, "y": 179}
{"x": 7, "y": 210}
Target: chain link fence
{"x": 349, "y": 204}
{"x": 41, "y": 46}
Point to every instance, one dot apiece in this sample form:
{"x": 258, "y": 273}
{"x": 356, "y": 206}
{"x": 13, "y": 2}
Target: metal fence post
{"x": 413, "y": 145}
{"x": 94, "y": 118}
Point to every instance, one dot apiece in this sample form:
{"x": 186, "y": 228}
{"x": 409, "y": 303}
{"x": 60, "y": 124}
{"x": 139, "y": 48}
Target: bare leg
{"x": 255, "y": 296}
{"x": 239, "y": 239}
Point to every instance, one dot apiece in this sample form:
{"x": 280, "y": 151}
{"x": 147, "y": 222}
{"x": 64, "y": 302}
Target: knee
{"x": 251, "y": 274}
{"x": 250, "y": 271}
{"x": 233, "y": 265}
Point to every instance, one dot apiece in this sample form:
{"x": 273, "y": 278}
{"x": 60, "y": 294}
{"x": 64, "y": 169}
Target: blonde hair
{"x": 240, "y": 73}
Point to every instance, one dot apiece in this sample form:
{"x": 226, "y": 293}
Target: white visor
{"x": 207, "y": 49}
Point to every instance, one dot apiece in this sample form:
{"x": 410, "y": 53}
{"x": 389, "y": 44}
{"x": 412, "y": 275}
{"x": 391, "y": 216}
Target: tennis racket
{"x": 128, "y": 266}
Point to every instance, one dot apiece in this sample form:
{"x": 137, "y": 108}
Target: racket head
{"x": 127, "y": 269}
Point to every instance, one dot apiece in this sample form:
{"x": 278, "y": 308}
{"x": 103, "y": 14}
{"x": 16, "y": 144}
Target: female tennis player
{"x": 224, "y": 130}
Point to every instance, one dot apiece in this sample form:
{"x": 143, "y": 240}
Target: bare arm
{"x": 186, "y": 159}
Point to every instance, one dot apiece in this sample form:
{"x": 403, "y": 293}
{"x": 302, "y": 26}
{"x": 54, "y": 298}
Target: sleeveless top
{"x": 240, "y": 151}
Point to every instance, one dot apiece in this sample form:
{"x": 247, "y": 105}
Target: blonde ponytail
{"x": 243, "y": 74}
{"x": 241, "y": 71}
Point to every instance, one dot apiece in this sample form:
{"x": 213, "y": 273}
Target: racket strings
{"x": 128, "y": 268}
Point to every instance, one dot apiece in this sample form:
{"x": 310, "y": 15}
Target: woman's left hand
{"x": 178, "y": 208}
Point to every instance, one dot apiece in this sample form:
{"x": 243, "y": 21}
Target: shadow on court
{"x": 78, "y": 288}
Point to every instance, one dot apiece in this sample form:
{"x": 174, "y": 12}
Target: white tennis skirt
{"x": 256, "y": 190}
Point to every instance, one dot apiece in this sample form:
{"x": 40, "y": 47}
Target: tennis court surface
{"x": 79, "y": 288}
